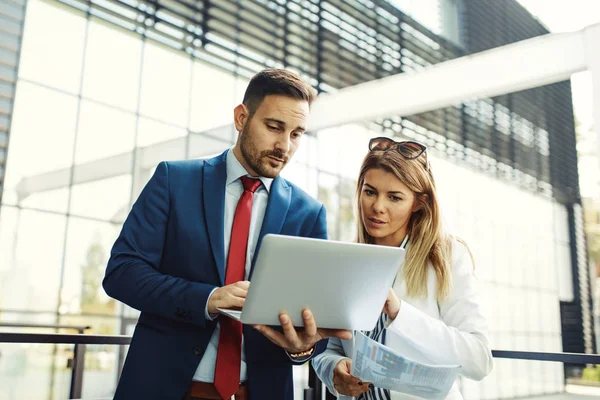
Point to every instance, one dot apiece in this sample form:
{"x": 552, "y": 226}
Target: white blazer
{"x": 452, "y": 331}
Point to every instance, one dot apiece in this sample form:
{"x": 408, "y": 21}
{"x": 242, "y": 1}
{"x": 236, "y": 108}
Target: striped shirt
{"x": 378, "y": 335}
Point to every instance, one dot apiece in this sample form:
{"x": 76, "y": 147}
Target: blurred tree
{"x": 92, "y": 274}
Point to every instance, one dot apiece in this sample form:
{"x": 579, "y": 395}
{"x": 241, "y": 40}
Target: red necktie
{"x": 229, "y": 353}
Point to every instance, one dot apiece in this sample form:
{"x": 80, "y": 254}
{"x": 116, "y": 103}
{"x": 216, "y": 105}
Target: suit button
{"x": 197, "y": 351}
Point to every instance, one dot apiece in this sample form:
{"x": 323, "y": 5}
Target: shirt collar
{"x": 235, "y": 171}
{"x": 404, "y": 242}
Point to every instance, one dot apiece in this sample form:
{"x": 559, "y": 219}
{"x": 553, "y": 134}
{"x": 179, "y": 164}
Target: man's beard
{"x": 258, "y": 160}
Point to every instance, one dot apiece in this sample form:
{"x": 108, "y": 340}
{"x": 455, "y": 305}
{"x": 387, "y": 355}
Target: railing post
{"x": 309, "y": 394}
{"x": 314, "y": 384}
{"x": 77, "y": 366}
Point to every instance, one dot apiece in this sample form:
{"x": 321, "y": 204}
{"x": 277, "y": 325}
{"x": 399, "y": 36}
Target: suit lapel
{"x": 215, "y": 176}
{"x": 279, "y": 203}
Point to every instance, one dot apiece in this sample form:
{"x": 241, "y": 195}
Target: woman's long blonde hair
{"x": 427, "y": 241}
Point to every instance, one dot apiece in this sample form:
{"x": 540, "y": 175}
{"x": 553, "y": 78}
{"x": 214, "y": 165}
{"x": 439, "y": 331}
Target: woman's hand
{"x": 392, "y": 305}
{"x": 345, "y": 383}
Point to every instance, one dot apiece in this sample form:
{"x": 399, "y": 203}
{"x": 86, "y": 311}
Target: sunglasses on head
{"x": 407, "y": 148}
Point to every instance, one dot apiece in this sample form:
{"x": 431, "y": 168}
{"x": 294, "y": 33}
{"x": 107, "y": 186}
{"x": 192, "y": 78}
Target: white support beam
{"x": 519, "y": 66}
{"x": 122, "y": 164}
{"x": 523, "y": 65}
{"x": 592, "y": 54}
{"x": 109, "y": 167}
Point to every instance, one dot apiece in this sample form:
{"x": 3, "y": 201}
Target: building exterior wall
{"x": 12, "y": 17}
{"x": 116, "y": 87}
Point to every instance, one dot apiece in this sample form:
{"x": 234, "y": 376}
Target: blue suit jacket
{"x": 169, "y": 257}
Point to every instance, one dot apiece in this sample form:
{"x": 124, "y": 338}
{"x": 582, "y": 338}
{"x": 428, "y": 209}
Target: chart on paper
{"x": 376, "y": 363}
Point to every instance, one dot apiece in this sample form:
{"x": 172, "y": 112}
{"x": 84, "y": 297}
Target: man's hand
{"x": 302, "y": 340}
{"x": 392, "y": 305}
{"x": 230, "y": 296}
{"x": 345, "y": 383}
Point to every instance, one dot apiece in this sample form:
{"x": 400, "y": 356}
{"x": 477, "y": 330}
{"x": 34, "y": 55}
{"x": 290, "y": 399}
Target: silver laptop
{"x": 345, "y": 285}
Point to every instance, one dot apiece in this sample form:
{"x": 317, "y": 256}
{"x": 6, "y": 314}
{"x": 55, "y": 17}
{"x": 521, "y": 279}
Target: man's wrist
{"x": 302, "y": 354}
{"x": 207, "y": 313}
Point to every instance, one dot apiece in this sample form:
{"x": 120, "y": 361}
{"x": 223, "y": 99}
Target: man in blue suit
{"x": 187, "y": 248}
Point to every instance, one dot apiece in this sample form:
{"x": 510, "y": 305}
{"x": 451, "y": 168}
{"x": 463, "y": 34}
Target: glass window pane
{"x": 165, "y": 85}
{"x": 202, "y": 146}
{"x": 103, "y": 132}
{"x": 347, "y": 194}
{"x": 51, "y": 200}
{"x": 241, "y": 84}
{"x": 329, "y": 196}
{"x": 426, "y": 12}
{"x": 152, "y": 132}
{"x": 354, "y": 149}
{"x": 32, "y": 248}
{"x": 52, "y": 48}
{"x": 301, "y": 176}
{"x": 307, "y": 151}
{"x": 27, "y": 317}
{"x": 26, "y": 371}
{"x": 129, "y": 312}
{"x": 9, "y": 219}
{"x": 101, "y": 361}
{"x": 112, "y": 65}
{"x": 105, "y": 199}
{"x": 329, "y": 141}
{"x": 43, "y": 167}
{"x": 213, "y": 98}
{"x": 87, "y": 252}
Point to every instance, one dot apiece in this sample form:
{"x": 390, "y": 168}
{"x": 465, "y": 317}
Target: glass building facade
{"x": 107, "y": 89}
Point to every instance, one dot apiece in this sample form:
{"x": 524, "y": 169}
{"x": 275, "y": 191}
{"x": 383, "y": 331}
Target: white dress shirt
{"x": 233, "y": 191}
{"x": 452, "y": 331}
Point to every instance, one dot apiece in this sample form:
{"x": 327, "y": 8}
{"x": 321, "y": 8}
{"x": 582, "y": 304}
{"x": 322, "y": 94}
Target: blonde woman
{"x": 433, "y": 304}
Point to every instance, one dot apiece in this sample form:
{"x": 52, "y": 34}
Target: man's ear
{"x": 240, "y": 117}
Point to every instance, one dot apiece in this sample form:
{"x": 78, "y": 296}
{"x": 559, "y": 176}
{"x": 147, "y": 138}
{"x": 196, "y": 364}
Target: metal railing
{"x": 313, "y": 392}
{"x": 76, "y": 363}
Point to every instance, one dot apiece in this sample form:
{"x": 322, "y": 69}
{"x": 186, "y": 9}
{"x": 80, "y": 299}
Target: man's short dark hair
{"x": 273, "y": 81}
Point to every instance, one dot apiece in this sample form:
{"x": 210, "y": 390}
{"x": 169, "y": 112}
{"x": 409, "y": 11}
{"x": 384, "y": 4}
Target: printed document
{"x": 387, "y": 369}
